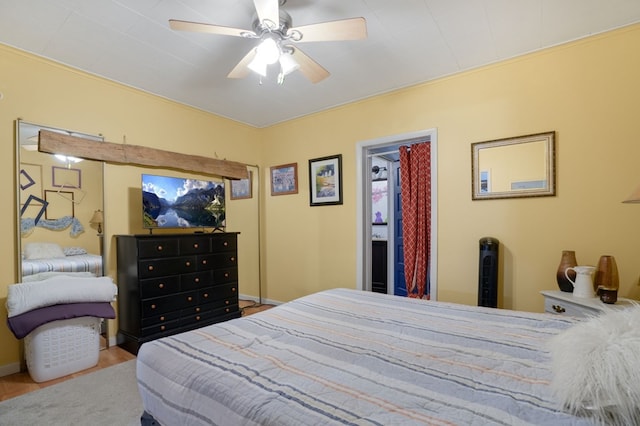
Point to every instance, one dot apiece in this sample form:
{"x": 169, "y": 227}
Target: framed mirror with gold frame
{"x": 517, "y": 167}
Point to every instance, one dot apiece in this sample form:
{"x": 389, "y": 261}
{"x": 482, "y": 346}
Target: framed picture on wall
{"x": 30, "y": 181}
{"x": 241, "y": 188}
{"x": 63, "y": 177}
{"x": 325, "y": 180}
{"x": 284, "y": 179}
{"x": 33, "y": 207}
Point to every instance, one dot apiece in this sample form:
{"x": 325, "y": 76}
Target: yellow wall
{"x": 586, "y": 91}
{"x": 49, "y": 94}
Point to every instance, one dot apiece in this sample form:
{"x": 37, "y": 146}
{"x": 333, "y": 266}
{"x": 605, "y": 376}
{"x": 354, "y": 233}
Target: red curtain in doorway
{"x": 415, "y": 184}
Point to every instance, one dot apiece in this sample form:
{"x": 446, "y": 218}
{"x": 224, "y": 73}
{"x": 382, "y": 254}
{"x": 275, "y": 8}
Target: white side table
{"x": 564, "y": 303}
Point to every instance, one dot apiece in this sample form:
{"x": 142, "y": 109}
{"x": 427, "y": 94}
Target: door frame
{"x": 363, "y": 203}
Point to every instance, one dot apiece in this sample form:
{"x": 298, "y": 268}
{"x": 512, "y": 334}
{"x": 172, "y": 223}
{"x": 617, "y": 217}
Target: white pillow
{"x": 596, "y": 367}
{"x": 73, "y": 251}
{"x": 42, "y": 251}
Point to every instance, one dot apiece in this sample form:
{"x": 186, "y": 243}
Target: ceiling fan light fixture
{"x": 268, "y": 51}
{"x": 258, "y": 66}
{"x": 288, "y": 64}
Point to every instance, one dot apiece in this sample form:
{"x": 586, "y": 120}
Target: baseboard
{"x": 8, "y": 369}
{"x": 257, "y": 300}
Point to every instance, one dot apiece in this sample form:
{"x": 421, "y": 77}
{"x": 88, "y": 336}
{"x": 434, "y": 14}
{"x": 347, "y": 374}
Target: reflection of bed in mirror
{"x": 44, "y": 260}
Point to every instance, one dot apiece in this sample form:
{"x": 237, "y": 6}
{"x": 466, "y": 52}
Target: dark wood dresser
{"x": 168, "y": 284}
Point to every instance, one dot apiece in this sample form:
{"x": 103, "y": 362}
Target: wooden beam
{"x": 58, "y": 143}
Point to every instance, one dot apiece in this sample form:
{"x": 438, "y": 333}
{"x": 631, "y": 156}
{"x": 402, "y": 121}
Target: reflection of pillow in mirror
{"x": 42, "y": 251}
{"x": 73, "y": 251}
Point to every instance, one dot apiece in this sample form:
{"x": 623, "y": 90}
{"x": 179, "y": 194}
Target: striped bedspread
{"x": 79, "y": 263}
{"x": 357, "y": 358}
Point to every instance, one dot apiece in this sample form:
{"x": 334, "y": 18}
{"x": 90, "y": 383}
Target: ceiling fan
{"x": 273, "y": 27}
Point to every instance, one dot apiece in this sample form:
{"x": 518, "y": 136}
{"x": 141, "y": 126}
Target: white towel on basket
{"x": 25, "y": 297}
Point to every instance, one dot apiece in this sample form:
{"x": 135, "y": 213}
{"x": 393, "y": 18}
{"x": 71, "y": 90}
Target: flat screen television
{"x": 172, "y": 202}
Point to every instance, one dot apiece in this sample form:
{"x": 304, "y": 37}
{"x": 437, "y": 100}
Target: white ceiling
{"x": 410, "y": 41}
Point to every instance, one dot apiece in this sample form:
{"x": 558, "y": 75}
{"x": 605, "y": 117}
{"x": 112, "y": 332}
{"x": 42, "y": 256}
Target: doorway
{"x": 383, "y": 152}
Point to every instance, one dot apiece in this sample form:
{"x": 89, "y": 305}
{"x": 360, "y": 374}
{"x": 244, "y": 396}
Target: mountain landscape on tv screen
{"x": 198, "y": 208}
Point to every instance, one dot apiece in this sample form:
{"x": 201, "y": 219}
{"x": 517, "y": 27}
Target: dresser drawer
{"x": 156, "y": 287}
{"x": 195, "y": 245}
{"x": 206, "y": 262}
{"x": 207, "y": 316}
{"x": 219, "y": 295}
{"x": 225, "y": 260}
{"x": 226, "y": 291}
{"x": 561, "y": 307}
{"x": 160, "y": 319}
{"x": 161, "y": 305}
{"x": 158, "y": 248}
{"x": 196, "y": 280}
{"x": 223, "y": 243}
{"x": 222, "y": 276}
{"x": 171, "y": 266}
{"x": 163, "y": 327}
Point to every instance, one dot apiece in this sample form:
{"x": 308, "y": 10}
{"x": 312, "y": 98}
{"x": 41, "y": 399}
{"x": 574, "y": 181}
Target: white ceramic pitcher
{"x": 583, "y": 285}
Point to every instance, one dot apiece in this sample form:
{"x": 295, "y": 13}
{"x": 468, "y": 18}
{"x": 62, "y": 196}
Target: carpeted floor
{"x": 106, "y": 397}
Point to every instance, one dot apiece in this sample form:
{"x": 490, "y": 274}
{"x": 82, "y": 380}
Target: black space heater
{"x": 488, "y": 272}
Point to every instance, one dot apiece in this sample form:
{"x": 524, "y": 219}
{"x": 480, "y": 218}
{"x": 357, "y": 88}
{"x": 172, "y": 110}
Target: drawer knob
{"x": 162, "y": 327}
{"x": 204, "y": 262}
{"x": 197, "y": 309}
{"x": 557, "y": 308}
{"x": 227, "y": 310}
{"x": 196, "y": 245}
{"x": 233, "y": 259}
{"x": 233, "y": 289}
{"x": 196, "y": 280}
{"x": 187, "y": 263}
{"x": 153, "y": 306}
{"x": 150, "y": 268}
{"x": 197, "y": 317}
{"x": 226, "y": 302}
{"x": 225, "y": 243}
{"x": 189, "y": 299}
{"x": 162, "y": 318}
{"x": 206, "y": 295}
{"x": 161, "y": 285}
{"x": 159, "y": 248}
{"x": 226, "y": 275}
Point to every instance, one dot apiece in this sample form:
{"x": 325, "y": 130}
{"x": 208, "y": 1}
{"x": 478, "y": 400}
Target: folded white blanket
{"x": 25, "y": 297}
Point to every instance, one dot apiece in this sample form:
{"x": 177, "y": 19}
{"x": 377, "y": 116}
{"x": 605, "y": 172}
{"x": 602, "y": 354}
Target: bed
{"x": 79, "y": 263}
{"x": 350, "y": 357}
{"x": 42, "y": 260}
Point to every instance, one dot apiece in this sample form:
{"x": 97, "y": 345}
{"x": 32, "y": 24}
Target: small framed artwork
{"x": 62, "y": 177}
{"x": 241, "y": 188}
{"x": 284, "y": 179}
{"x": 35, "y": 205}
{"x": 325, "y": 180}
{"x": 30, "y": 181}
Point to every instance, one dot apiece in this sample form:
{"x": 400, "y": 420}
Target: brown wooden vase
{"x": 607, "y": 280}
{"x": 568, "y": 260}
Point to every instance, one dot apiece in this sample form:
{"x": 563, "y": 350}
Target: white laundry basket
{"x": 62, "y": 347}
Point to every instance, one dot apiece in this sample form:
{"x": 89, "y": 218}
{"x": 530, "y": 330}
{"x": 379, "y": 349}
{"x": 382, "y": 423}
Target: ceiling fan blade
{"x": 308, "y": 67}
{"x": 268, "y": 10}
{"x": 345, "y": 29}
{"x": 207, "y": 28}
{"x": 241, "y": 70}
